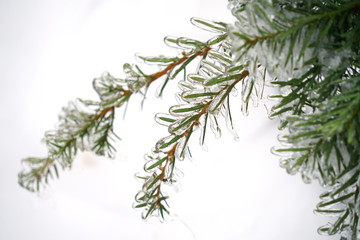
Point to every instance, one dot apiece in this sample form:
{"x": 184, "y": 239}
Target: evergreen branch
{"x": 297, "y": 24}
{"x": 161, "y": 163}
{"x": 256, "y": 35}
{"x": 76, "y": 128}
{"x": 171, "y": 66}
{"x": 41, "y": 170}
{"x": 80, "y": 126}
{"x": 343, "y": 203}
{"x": 330, "y": 141}
{"x": 319, "y": 101}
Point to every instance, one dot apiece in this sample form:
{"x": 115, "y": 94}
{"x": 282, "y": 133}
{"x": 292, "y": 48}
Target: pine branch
{"x": 77, "y": 129}
{"x": 310, "y": 48}
{"x": 202, "y": 97}
{"x": 185, "y": 58}
{"x": 90, "y": 129}
{"x": 161, "y": 163}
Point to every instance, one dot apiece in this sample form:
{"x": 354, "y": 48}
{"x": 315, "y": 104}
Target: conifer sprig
{"x": 182, "y": 122}
{"x": 307, "y": 46}
{"x": 79, "y": 128}
{"x": 202, "y": 96}
{"x": 88, "y": 125}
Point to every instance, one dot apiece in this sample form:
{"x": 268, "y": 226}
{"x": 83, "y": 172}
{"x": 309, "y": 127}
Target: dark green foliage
{"x": 319, "y": 108}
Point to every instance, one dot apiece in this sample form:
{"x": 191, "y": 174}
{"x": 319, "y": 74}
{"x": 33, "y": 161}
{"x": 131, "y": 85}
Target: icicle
{"x": 234, "y": 92}
{"x": 305, "y": 178}
{"x": 187, "y": 43}
{"x": 159, "y": 60}
{"x": 202, "y": 124}
{"x": 214, "y": 126}
{"x": 184, "y": 86}
{"x": 324, "y": 230}
{"x": 212, "y": 68}
{"x": 152, "y": 163}
{"x": 140, "y": 178}
{"x": 216, "y": 103}
{"x": 197, "y": 96}
{"x": 165, "y": 119}
{"x": 229, "y": 121}
{"x": 216, "y": 27}
{"x": 130, "y": 72}
{"x": 180, "y": 150}
{"x": 182, "y": 125}
{"x": 165, "y": 144}
{"x": 140, "y": 196}
{"x": 223, "y": 58}
{"x": 185, "y": 109}
{"x": 196, "y": 78}
{"x": 173, "y": 42}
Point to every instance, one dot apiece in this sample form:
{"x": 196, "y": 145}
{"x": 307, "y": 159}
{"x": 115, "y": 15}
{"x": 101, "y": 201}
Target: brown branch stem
{"x": 171, "y": 153}
{"x": 157, "y": 75}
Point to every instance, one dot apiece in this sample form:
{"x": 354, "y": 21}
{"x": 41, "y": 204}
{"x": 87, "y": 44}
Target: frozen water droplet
{"x": 139, "y": 197}
{"x": 214, "y": 126}
{"x": 305, "y": 178}
{"x": 324, "y": 230}
{"x": 207, "y": 25}
{"x": 234, "y": 92}
{"x": 171, "y": 41}
{"x": 274, "y": 150}
{"x": 284, "y": 163}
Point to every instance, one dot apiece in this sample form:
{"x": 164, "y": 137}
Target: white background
{"x": 49, "y": 53}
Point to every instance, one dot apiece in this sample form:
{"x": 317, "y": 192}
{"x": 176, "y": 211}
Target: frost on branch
{"x": 310, "y": 50}
{"x": 203, "y": 98}
{"x": 82, "y": 126}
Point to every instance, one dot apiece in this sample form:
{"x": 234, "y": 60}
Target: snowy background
{"x": 49, "y": 53}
